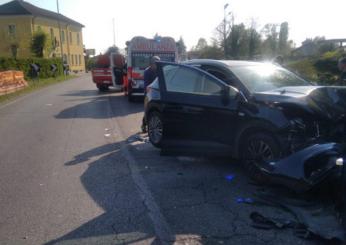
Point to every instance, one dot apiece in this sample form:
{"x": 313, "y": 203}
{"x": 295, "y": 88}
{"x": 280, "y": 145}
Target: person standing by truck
{"x": 150, "y": 75}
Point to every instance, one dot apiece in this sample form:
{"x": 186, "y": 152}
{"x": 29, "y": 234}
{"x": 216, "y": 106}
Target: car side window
{"x": 217, "y": 74}
{"x": 185, "y": 80}
{"x": 209, "y": 86}
{"x": 180, "y": 79}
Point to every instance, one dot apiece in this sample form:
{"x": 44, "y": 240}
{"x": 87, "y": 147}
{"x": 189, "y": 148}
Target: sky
{"x": 193, "y": 19}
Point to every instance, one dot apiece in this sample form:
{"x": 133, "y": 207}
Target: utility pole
{"x": 61, "y": 48}
{"x": 224, "y": 30}
{"x": 113, "y": 33}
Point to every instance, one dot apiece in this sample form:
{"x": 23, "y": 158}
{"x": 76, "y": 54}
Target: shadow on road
{"x": 109, "y": 183}
{"x": 91, "y": 92}
{"x": 96, "y": 106}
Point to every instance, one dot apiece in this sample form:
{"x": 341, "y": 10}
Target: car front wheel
{"x": 256, "y": 151}
{"x": 155, "y": 128}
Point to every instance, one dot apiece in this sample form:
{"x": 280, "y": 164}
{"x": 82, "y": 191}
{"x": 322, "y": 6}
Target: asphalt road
{"x": 74, "y": 170}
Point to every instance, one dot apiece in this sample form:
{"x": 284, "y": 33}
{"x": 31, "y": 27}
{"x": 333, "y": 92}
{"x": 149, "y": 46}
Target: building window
{"x": 62, "y": 36}
{"x": 70, "y": 37}
{"x": 65, "y": 58}
{"x": 80, "y": 59}
{"x": 12, "y": 30}
{"x": 72, "y": 59}
{"x": 76, "y": 59}
{"x": 78, "y": 40}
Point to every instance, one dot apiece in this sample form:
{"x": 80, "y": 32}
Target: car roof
{"x": 222, "y": 63}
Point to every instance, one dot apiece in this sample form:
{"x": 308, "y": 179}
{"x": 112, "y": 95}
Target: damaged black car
{"x": 259, "y": 112}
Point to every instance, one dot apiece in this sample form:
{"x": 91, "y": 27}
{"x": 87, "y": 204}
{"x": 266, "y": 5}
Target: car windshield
{"x": 264, "y": 77}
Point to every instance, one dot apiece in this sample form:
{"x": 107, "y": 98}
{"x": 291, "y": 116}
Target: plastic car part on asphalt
{"x": 305, "y": 169}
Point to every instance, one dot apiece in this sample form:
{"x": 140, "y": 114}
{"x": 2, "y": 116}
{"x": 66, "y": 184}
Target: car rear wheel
{"x": 257, "y": 151}
{"x": 102, "y": 88}
{"x": 155, "y": 129}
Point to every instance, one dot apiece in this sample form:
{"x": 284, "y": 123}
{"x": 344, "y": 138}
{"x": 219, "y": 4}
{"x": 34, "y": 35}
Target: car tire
{"x": 257, "y": 149}
{"x": 155, "y": 129}
{"x": 102, "y": 88}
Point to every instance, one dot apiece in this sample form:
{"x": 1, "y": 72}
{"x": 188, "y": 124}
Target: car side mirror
{"x": 227, "y": 94}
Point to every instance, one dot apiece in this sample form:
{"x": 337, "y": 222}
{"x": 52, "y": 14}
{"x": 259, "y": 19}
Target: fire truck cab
{"x": 139, "y": 52}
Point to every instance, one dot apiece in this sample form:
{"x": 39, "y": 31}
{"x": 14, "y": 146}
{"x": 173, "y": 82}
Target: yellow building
{"x": 19, "y": 20}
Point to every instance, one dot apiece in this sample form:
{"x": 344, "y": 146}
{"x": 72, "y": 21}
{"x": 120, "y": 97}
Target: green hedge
{"x": 24, "y": 65}
{"x": 322, "y": 69}
{"x": 304, "y": 68}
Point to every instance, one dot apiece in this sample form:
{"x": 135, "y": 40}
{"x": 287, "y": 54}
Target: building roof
{"x": 20, "y": 7}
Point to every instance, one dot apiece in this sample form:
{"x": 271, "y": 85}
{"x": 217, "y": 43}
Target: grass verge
{"x": 34, "y": 85}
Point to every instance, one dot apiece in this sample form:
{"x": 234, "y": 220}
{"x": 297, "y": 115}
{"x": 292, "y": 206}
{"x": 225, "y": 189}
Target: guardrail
{"x": 11, "y": 81}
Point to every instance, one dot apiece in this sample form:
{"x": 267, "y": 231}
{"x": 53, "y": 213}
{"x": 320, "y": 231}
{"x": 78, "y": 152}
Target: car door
{"x": 193, "y": 107}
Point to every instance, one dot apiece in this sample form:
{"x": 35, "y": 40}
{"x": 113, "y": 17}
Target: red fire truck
{"x": 109, "y": 71}
{"x": 139, "y": 52}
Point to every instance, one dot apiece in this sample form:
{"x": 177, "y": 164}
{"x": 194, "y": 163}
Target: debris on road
{"x": 307, "y": 168}
{"x": 310, "y": 219}
{"x": 247, "y": 200}
{"x": 229, "y": 177}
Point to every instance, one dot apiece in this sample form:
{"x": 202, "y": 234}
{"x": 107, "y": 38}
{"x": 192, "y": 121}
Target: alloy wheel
{"x": 155, "y": 129}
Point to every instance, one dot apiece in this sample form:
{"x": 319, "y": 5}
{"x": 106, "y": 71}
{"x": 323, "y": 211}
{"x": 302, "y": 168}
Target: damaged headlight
{"x": 339, "y": 162}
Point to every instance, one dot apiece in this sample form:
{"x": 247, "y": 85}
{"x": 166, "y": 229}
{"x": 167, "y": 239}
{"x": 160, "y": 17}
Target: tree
{"x": 238, "y": 42}
{"x": 283, "y": 38}
{"x": 40, "y": 43}
{"x": 222, "y": 32}
{"x": 181, "y": 47}
{"x": 201, "y": 44}
{"x": 203, "y": 51}
{"x": 270, "y": 44}
{"x": 112, "y": 49}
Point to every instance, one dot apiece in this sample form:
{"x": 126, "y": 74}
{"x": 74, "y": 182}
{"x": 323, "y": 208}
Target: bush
{"x": 24, "y": 65}
{"x": 304, "y": 68}
{"x": 323, "y": 69}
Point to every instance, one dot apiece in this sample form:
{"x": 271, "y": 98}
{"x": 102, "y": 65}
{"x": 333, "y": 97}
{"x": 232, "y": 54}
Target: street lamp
{"x": 224, "y": 30}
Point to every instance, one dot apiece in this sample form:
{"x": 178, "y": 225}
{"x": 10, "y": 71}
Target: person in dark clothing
{"x": 342, "y": 68}
{"x": 150, "y": 72}
{"x": 150, "y": 75}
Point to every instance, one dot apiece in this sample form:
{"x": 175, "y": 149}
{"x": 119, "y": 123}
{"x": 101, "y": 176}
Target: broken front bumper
{"x": 305, "y": 169}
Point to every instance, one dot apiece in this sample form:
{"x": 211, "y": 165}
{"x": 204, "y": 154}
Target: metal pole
{"x": 113, "y": 33}
{"x": 61, "y": 48}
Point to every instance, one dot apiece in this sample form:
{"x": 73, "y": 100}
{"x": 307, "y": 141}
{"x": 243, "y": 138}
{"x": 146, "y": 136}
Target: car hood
{"x": 326, "y": 101}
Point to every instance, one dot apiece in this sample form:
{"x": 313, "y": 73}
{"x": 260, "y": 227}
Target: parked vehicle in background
{"x": 109, "y": 70}
{"x": 256, "y": 111}
{"x": 139, "y": 52}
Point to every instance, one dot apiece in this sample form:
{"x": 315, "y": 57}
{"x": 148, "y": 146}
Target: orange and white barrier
{"x": 11, "y": 81}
